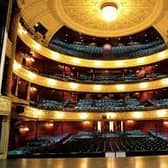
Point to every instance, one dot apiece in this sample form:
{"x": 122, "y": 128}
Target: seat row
{"x": 96, "y": 142}
{"x": 87, "y": 78}
{"x": 101, "y": 105}
{"x": 112, "y": 105}
{"x": 94, "y": 51}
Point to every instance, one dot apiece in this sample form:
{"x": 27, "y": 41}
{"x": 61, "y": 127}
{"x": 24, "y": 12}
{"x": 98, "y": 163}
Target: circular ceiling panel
{"x": 85, "y": 16}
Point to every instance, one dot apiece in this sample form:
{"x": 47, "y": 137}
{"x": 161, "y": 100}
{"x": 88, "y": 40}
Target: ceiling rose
{"x": 109, "y": 11}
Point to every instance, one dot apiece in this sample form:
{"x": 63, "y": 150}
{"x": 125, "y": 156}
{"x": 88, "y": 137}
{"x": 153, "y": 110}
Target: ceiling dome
{"x": 86, "y": 15}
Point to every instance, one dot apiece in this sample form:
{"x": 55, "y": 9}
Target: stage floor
{"x": 129, "y": 162}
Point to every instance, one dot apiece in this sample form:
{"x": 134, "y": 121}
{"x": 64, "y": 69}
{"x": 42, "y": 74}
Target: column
{"x": 4, "y": 137}
{"x": 111, "y": 126}
{"x": 17, "y": 86}
{"x": 28, "y": 91}
{"x": 122, "y": 126}
{"x": 5, "y": 10}
{"x": 13, "y": 38}
{"x": 4, "y": 6}
{"x": 99, "y": 128}
{"x": 63, "y": 73}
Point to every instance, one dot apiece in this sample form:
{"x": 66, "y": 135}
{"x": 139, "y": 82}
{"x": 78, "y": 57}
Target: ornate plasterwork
{"x": 85, "y": 16}
{"x": 5, "y": 105}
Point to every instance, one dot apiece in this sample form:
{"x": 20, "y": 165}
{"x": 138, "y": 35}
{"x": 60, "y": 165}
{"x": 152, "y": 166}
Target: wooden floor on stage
{"x": 129, "y": 162}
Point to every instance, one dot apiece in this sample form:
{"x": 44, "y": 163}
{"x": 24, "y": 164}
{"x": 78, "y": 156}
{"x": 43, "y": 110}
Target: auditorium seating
{"x": 101, "y": 105}
{"x": 22, "y": 151}
{"x": 162, "y": 102}
{"x": 146, "y": 145}
{"x": 102, "y": 78}
{"x": 84, "y": 143}
{"x": 112, "y": 105}
{"x": 133, "y": 48}
{"x": 44, "y": 141}
{"x": 161, "y": 135}
{"x": 92, "y": 52}
{"x": 47, "y": 104}
{"x": 38, "y": 144}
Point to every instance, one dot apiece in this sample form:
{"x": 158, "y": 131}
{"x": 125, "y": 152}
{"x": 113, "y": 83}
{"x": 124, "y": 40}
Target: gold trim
{"x": 62, "y": 115}
{"x": 5, "y": 105}
{"x": 80, "y": 87}
{"x": 124, "y": 25}
{"x": 9, "y": 48}
{"x": 105, "y": 4}
{"x": 81, "y": 62}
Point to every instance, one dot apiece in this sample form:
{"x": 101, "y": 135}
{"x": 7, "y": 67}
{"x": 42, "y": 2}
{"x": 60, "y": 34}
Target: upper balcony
{"x": 97, "y": 52}
{"x": 70, "y": 42}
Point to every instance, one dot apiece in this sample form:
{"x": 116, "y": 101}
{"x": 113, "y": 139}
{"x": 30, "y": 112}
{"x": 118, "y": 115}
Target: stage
{"x": 128, "y": 162}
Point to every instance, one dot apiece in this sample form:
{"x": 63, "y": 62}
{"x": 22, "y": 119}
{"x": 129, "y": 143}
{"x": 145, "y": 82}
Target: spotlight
{"x": 38, "y": 27}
